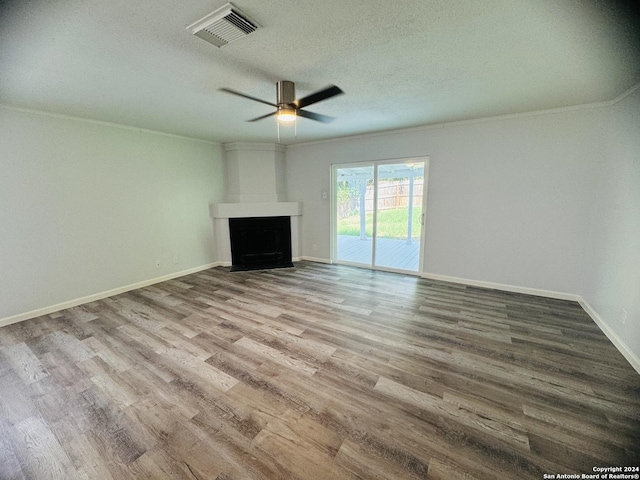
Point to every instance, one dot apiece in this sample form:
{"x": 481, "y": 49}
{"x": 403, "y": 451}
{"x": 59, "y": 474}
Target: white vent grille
{"x": 223, "y": 26}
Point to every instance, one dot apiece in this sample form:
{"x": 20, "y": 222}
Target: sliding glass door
{"x": 378, "y": 214}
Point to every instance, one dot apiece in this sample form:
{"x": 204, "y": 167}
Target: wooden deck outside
{"x": 391, "y": 253}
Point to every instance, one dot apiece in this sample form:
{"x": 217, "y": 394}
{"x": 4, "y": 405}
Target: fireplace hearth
{"x": 259, "y": 243}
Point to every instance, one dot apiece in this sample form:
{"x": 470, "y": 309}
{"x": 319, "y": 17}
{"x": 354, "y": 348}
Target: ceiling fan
{"x": 287, "y": 107}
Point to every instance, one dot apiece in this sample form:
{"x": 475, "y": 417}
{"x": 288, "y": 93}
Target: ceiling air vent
{"x": 223, "y": 26}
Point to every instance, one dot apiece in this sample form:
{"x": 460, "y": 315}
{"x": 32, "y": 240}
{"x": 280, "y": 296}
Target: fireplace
{"x": 255, "y": 184}
{"x": 259, "y": 243}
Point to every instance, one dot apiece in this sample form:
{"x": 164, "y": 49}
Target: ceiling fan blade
{"x": 239, "y": 94}
{"x": 318, "y": 96}
{"x": 314, "y": 116}
{"x": 263, "y": 116}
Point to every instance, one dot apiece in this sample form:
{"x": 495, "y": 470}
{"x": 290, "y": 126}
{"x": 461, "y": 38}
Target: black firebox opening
{"x": 259, "y": 243}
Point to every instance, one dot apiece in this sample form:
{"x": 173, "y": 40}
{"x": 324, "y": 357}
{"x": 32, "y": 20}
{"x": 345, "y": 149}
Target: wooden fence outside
{"x": 391, "y": 194}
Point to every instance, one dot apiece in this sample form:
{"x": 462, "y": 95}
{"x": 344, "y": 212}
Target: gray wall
{"x": 612, "y": 285}
{"x": 507, "y": 201}
{"x": 87, "y": 207}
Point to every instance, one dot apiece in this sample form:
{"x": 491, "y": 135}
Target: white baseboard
{"x": 622, "y": 347}
{"x": 504, "y": 287}
{"x": 98, "y": 296}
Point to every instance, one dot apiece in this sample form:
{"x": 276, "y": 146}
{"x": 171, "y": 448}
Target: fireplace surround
{"x": 255, "y": 183}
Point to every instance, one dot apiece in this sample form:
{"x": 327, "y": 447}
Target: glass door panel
{"x": 399, "y": 215}
{"x": 354, "y": 214}
{"x": 378, "y": 214}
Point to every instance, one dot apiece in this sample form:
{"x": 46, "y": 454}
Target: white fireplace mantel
{"x": 221, "y": 212}
{"x": 256, "y": 209}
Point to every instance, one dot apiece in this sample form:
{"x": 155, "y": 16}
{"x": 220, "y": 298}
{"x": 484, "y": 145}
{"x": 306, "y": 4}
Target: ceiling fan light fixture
{"x": 286, "y": 114}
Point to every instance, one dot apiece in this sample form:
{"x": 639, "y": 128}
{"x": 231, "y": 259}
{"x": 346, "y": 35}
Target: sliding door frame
{"x": 334, "y": 212}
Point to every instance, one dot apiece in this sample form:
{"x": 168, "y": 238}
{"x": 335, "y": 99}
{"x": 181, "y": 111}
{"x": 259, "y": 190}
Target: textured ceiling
{"x": 401, "y": 64}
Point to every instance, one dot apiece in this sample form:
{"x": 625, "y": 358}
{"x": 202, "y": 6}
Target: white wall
{"x": 255, "y": 172}
{"x": 613, "y": 282}
{"x": 508, "y": 200}
{"x": 87, "y": 207}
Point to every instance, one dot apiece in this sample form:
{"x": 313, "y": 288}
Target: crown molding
{"x": 92, "y": 121}
{"x": 495, "y": 118}
{"x": 255, "y": 146}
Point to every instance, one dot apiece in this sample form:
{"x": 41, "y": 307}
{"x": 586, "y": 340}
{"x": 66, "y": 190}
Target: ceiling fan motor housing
{"x": 285, "y": 93}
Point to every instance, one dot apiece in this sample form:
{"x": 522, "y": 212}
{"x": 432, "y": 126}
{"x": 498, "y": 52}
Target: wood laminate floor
{"x": 317, "y": 372}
